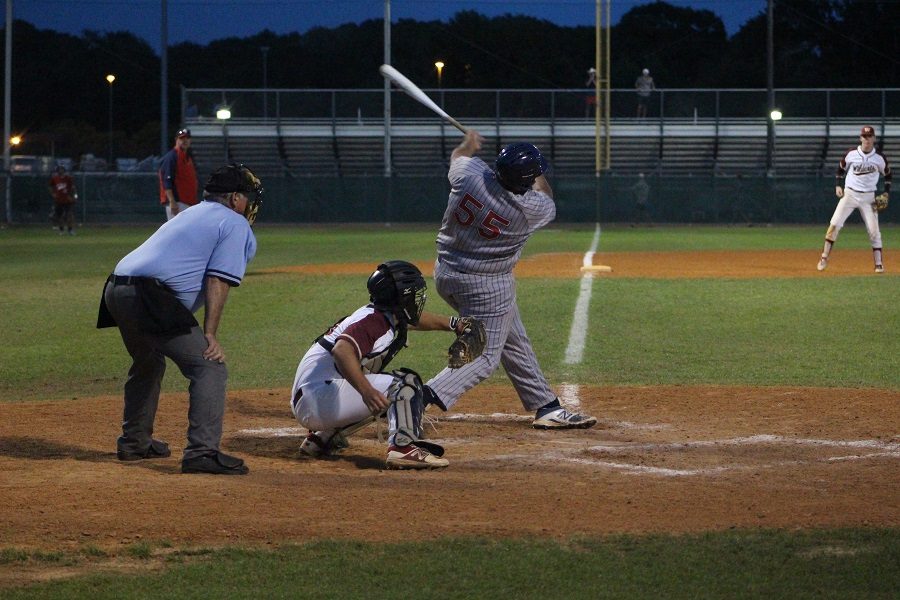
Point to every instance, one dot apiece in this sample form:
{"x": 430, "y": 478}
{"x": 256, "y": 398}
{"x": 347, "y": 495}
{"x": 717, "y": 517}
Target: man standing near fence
{"x": 178, "y": 176}
{"x": 62, "y": 188}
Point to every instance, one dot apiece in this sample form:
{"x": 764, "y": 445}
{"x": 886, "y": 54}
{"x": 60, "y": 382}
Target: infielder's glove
{"x": 469, "y": 343}
{"x": 881, "y": 202}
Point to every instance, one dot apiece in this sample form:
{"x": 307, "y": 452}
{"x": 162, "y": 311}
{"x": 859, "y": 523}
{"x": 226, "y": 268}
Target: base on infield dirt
{"x": 596, "y": 269}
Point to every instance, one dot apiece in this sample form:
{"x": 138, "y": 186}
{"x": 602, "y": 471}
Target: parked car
{"x": 91, "y": 163}
{"x": 23, "y": 163}
{"x": 126, "y": 164}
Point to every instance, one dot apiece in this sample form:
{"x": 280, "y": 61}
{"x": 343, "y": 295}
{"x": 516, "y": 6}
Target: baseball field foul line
{"x": 578, "y": 333}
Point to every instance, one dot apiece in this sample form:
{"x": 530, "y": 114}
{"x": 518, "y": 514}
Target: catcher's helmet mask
{"x": 518, "y": 165}
{"x": 237, "y": 177}
{"x": 398, "y": 286}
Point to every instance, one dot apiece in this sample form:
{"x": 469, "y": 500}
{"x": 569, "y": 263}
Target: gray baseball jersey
{"x": 485, "y": 226}
{"x": 481, "y": 238}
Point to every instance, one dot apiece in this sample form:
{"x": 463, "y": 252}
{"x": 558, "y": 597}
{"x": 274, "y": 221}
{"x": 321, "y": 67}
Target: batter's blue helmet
{"x": 518, "y": 165}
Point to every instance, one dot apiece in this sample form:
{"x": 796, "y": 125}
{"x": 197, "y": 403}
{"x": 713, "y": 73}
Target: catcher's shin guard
{"x": 406, "y": 411}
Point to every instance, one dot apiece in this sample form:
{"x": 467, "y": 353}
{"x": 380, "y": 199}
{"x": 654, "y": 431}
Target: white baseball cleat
{"x": 879, "y": 268}
{"x": 413, "y": 457}
{"x": 563, "y": 419}
{"x": 823, "y": 262}
{"x": 322, "y": 443}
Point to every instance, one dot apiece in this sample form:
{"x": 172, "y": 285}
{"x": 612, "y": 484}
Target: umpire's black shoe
{"x": 156, "y": 449}
{"x": 215, "y": 464}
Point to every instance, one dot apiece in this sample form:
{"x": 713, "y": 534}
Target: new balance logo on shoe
{"x": 413, "y": 457}
{"x": 563, "y": 419}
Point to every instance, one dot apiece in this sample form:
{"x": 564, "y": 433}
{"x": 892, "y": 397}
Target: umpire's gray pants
{"x": 148, "y": 352}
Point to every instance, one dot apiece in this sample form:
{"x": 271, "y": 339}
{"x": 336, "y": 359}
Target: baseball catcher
{"x": 342, "y": 382}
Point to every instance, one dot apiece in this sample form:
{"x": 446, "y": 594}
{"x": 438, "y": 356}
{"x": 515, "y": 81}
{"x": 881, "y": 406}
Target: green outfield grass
{"x": 842, "y": 564}
{"x": 834, "y": 331}
{"x": 760, "y": 331}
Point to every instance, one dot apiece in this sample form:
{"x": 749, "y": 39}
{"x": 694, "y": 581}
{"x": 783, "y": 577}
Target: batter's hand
{"x": 470, "y": 145}
{"x": 214, "y": 351}
{"x": 839, "y": 192}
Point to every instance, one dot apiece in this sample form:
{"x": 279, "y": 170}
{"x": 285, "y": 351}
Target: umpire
{"x": 151, "y": 296}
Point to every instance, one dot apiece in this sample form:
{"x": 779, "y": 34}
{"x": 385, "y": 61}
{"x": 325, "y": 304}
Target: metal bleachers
{"x": 422, "y": 147}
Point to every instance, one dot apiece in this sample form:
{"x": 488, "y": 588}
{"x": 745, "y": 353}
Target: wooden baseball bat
{"x": 389, "y": 72}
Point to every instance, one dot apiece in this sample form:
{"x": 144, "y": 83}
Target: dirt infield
{"x": 663, "y": 459}
{"x": 657, "y": 265}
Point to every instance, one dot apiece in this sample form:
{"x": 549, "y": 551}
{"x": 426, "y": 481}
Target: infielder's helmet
{"x": 518, "y": 165}
{"x": 398, "y": 286}
{"x": 237, "y": 178}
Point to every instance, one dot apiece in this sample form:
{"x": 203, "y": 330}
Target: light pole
{"x": 110, "y": 78}
{"x": 440, "y": 67}
{"x": 775, "y": 116}
{"x": 265, "y": 55}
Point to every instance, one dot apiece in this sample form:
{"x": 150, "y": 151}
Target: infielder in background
{"x": 178, "y": 176}
{"x": 191, "y": 261}
{"x": 340, "y": 382}
{"x": 861, "y": 166}
{"x": 62, "y": 188}
{"x": 490, "y": 215}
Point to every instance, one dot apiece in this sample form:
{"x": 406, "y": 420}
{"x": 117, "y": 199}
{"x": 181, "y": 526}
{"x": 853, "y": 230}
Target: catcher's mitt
{"x": 469, "y": 343}
{"x": 881, "y": 202}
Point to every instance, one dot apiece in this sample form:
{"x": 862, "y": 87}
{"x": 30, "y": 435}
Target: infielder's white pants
{"x": 851, "y": 201}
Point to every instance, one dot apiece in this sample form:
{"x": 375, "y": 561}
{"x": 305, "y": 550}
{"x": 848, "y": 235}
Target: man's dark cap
{"x": 232, "y": 178}
{"x": 183, "y": 133}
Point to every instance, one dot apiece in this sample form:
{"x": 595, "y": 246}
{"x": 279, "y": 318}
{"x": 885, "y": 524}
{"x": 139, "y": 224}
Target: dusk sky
{"x": 202, "y": 21}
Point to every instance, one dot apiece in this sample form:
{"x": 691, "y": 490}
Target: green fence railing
{"x": 134, "y": 198}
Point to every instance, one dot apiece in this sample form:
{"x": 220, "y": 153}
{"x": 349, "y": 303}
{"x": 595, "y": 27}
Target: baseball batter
{"x": 857, "y": 181}
{"x": 340, "y": 384}
{"x": 491, "y": 213}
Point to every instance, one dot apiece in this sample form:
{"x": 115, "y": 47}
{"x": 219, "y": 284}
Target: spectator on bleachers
{"x": 644, "y": 86}
{"x": 591, "y": 98}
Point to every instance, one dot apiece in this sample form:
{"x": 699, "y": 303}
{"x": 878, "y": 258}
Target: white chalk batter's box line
{"x": 882, "y": 450}
{"x": 888, "y": 450}
{"x": 464, "y": 417}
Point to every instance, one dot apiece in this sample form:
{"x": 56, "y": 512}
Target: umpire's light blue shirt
{"x": 206, "y": 239}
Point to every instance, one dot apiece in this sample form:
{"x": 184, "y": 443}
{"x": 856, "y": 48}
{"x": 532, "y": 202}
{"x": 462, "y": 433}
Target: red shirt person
{"x": 62, "y": 188}
{"x": 178, "y": 176}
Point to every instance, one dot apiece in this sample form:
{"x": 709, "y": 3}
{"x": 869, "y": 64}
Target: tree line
{"x": 60, "y": 96}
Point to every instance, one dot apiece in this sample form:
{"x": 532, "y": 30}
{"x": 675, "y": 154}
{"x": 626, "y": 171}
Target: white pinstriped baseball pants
{"x": 491, "y": 298}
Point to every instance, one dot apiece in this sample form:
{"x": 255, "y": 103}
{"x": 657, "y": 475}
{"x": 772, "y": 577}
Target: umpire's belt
{"x": 128, "y": 279}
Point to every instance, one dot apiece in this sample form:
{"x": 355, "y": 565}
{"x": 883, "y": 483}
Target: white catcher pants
{"x": 334, "y": 403}
{"x": 862, "y": 201}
